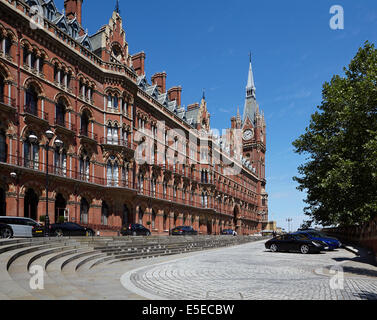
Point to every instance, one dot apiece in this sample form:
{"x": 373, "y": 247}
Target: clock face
{"x": 248, "y": 134}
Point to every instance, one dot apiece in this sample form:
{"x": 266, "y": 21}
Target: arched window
{"x": 153, "y": 186}
{"x": 60, "y": 111}
{"x": 112, "y": 172}
{"x": 31, "y": 105}
{"x": 204, "y": 199}
{"x": 84, "y": 123}
{"x": 6, "y": 44}
{"x": 125, "y": 172}
{"x": 104, "y": 213}
{"x": 165, "y": 221}
{"x": 165, "y": 188}
{"x": 141, "y": 183}
{"x": 56, "y": 73}
{"x": 60, "y": 161}
{"x": 84, "y": 166}
{"x": 109, "y": 101}
{"x": 2, "y": 88}
{"x": 31, "y": 152}
{"x": 3, "y": 147}
{"x": 84, "y": 211}
{"x": 153, "y": 219}
{"x": 60, "y": 207}
{"x": 125, "y": 137}
{"x": 126, "y": 216}
{"x": 141, "y": 215}
{"x": 31, "y": 204}
{"x": 112, "y": 134}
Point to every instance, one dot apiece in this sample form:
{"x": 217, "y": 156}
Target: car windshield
{"x": 317, "y": 234}
{"x": 301, "y": 236}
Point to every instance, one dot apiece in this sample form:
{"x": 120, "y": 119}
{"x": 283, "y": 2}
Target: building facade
{"x": 85, "y": 137}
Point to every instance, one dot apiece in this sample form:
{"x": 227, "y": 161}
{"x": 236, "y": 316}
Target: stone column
{"x": 11, "y": 203}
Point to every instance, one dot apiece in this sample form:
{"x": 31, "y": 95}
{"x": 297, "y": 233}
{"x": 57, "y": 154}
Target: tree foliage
{"x": 340, "y": 173}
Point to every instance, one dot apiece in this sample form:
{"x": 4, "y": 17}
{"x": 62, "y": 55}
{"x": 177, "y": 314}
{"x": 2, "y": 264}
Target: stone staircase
{"x": 67, "y": 262}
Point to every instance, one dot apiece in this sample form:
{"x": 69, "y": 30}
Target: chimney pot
{"x": 138, "y": 61}
{"x": 175, "y": 94}
{"x": 160, "y": 80}
{"x": 73, "y": 8}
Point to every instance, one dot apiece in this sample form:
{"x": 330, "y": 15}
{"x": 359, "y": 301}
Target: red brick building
{"x": 122, "y": 149}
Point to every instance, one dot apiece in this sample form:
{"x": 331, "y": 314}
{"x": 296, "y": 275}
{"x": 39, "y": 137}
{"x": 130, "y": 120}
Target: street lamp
{"x": 49, "y": 134}
{"x": 289, "y": 220}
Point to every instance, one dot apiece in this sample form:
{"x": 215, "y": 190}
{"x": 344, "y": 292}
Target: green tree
{"x": 340, "y": 172}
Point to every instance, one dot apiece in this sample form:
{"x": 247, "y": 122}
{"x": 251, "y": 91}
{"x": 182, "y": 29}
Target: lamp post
{"x": 289, "y": 220}
{"x": 58, "y": 144}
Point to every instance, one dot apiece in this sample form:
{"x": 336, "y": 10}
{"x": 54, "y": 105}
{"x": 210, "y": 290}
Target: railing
{"x": 37, "y": 112}
{"x": 89, "y": 134}
{"x": 116, "y": 142}
{"x": 65, "y": 124}
{"x": 8, "y": 101}
{"x": 64, "y": 172}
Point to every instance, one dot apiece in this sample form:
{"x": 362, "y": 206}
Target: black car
{"x": 295, "y": 243}
{"x": 70, "y": 229}
{"x": 183, "y": 231}
{"x": 133, "y": 229}
{"x": 6, "y": 231}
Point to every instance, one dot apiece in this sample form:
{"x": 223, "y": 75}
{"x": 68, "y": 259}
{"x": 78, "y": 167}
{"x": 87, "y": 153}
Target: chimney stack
{"x": 73, "y": 8}
{"x": 138, "y": 60}
{"x": 175, "y": 94}
{"x": 160, "y": 79}
{"x": 233, "y": 121}
{"x": 193, "y": 106}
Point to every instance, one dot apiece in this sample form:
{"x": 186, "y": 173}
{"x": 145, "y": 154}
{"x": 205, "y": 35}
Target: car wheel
{"x": 59, "y": 233}
{"x": 134, "y": 234}
{"x": 7, "y": 233}
{"x": 149, "y": 234}
{"x": 304, "y": 249}
{"x": 274, "y": 248}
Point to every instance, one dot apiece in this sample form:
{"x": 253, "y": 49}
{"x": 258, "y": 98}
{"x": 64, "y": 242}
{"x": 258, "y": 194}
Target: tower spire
{"x": 117, "y": 10}
{"x": 250, "y": 88}
{"x": 251, "y": 105}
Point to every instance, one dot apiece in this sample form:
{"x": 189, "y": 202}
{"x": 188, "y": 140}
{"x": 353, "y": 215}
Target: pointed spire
{"x": 204, "y": 94}
{"x": 117, "y": 9}
{"x": 250, "y": 88}
{"x": 238, "y": 118}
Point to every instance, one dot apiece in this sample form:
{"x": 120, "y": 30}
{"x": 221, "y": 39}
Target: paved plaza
{"x": 242, "y": 272}
{"x": 251, "y": 272}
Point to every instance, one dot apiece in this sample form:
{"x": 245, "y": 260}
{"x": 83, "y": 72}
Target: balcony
{"x": 110, "y": 143}
{"x": 7, "y": 104}
{"x": 64, "y": 127}
{"x": 88, "y": 136}
{"x": 35, "y": 115}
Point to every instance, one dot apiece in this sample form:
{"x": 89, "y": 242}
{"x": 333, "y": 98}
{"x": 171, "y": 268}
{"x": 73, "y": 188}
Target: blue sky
{"x": 205, "y": 44}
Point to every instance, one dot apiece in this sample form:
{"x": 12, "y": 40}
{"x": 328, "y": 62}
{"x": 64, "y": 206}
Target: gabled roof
{"x": 152, "y": 91}
{"x": 85, "y": 41}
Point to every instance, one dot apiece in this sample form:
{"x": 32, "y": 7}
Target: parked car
{"x": 183, "y": 231}
{"x": 6, "y": 231}
{"x": 295, "y": 243}
{"x": 134, "y": 229}
{"x": 315, "y": 235}
{"x": 229, "y": 232}
{"x": 22, "y": 227}
{"x": 70, "y": 229}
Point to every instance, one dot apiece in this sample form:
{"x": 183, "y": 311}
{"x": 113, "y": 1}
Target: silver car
{"x": 22, "y": 227}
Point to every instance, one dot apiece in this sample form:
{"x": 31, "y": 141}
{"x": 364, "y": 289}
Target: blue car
{"x": 331, "y": 242}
